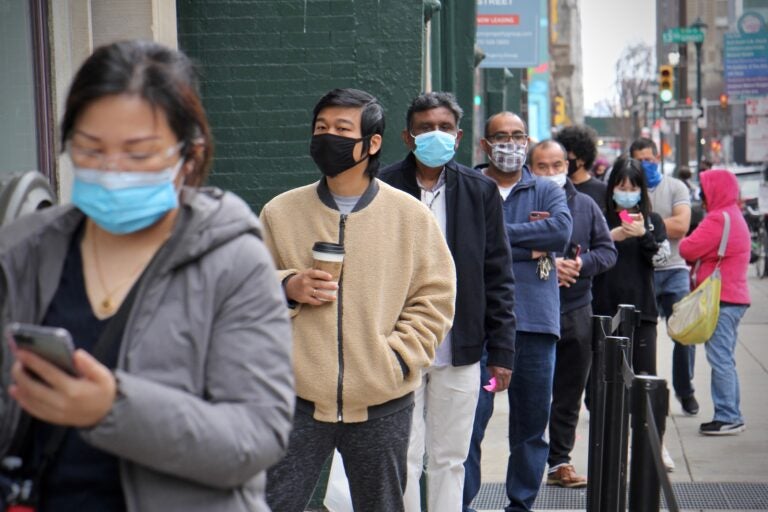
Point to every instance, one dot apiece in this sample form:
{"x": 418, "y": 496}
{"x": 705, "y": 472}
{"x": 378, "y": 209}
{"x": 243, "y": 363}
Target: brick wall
{"x": 265, "y": 63}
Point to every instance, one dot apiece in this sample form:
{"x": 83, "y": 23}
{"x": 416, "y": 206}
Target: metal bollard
{"x": 613, "y": 474}
{"x": 645, "y": 483}
{"x": 629, "y": 320}
{"x": 601, "y": 327}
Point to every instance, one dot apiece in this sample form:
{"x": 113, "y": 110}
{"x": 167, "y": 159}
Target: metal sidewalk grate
{"x": 690, "y": 495}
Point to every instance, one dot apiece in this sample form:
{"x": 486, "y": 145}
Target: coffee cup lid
{"x": 328, "y": 247}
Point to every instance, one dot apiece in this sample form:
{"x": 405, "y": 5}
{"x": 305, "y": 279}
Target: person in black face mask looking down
{"x": 361, "y": 341}
{"x": 581, "y": 144}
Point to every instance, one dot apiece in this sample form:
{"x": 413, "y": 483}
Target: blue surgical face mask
{"x": 435, "y": 148}
{"x": 626, "y": 199}
{"x": 125, "y": 202}
{"x": 652, "y": 174}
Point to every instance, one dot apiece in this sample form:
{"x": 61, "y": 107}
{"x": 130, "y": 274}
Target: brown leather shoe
{"x": 565, "y": 476}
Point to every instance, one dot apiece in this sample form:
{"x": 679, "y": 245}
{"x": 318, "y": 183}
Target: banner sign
{"x": 508, "y": 33}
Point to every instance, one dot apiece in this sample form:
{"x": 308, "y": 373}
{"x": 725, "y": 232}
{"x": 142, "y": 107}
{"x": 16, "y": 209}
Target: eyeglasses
{"x": 131, "y": 161}
{"x": 499, "y": 138}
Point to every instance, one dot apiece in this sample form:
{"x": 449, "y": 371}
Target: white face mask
{"x": 558, "y": 179}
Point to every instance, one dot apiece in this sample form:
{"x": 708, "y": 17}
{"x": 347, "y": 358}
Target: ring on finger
{"x": 314, "y": 292}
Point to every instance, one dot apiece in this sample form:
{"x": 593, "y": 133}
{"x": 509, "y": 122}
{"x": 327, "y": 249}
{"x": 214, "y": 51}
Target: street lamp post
{"x": 703, "y": 27}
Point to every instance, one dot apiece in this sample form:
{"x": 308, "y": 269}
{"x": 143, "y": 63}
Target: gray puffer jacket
{"x": 205, "y": 386}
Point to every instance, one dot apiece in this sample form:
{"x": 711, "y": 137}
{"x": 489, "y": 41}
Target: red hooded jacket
{"x": 721, "y": 193}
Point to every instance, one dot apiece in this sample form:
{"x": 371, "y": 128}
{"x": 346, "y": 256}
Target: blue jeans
{"x": 671, "y": 286}
{"x": 720, "y": 354}
{"x": 530, "y": 393}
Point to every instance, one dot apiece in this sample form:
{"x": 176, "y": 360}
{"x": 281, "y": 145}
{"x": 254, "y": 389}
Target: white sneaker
{"x": 667, "y": 458}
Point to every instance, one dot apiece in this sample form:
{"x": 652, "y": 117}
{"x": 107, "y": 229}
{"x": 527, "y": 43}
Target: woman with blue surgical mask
{"x": 182, "y": 392}
{"x": 638, "y": 234}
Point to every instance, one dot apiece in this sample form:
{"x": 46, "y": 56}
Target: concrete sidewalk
{"x": 700, "y": 460}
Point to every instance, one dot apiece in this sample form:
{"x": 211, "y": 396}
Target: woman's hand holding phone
{"x": 56, "y": 397}
{"x": 635, "y": 228}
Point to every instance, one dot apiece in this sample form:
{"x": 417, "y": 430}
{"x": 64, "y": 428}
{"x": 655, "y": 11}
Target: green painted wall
{"x": 265, "y": 63}
{"x": 453, "y": 51}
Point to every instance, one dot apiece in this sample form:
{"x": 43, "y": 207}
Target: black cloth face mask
{"x": 333, "y": 154}
{"x": 572, "y": 166}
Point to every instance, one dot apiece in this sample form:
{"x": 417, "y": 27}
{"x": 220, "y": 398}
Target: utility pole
{"x": 701, "y": 26}
{"x": 682, "y": 93}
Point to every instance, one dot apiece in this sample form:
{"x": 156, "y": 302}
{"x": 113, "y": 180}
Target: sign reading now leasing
{"x": 683, "y": 35}
{"x": 508, "y": 33}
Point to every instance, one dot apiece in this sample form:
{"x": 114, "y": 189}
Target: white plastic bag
{"x": 337, "y": 497}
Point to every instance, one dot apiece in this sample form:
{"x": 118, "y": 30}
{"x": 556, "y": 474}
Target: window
{"x": 26, "y": 126}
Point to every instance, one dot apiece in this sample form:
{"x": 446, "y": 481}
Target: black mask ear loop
{"x": 366, "y": 146}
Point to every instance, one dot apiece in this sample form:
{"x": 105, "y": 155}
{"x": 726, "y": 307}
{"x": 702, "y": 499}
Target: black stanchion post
{"x": 615, "y": 409}
{"x": 629, "y": 320}
{"x": 645, "y": 482}
{"x": 601, "y": 327}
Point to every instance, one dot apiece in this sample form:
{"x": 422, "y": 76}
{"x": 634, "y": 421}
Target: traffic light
{"x": 560, "y": 117}
{"x": 724, "y": 101}
{"x": 666, "y": 83}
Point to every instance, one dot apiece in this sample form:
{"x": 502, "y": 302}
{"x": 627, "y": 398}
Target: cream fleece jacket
{"x": 395, "y": 302}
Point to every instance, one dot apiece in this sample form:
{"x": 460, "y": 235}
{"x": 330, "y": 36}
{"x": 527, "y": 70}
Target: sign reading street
{"x": 683, "y": 35}
{"x": 508, "y": 32}
{"x": 684, "y": 112}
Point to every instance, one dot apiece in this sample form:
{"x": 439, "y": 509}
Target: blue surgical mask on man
{"x": 652, "y": 173}
{"x": 626, "y": 199}
{"x": 125, "y": 202}
{"x": 435, "y": 148}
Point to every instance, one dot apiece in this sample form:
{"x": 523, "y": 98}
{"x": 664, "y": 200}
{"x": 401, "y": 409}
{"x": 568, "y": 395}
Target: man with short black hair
{"x": 468, "y": 209}
{"x": 580, "y": 141}
{"x": 589, "y": 252}
{"x": 359, "y": 344}
{"x": 671, "y": 199}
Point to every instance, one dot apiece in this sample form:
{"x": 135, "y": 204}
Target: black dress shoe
{"x": 690, "y": 405}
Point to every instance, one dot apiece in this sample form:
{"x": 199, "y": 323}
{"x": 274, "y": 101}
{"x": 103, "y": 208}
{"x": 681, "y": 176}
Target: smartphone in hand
{"x": 625, "y": 216}
{"x": 54, "y": 344}
{"x": 573, "y": 252}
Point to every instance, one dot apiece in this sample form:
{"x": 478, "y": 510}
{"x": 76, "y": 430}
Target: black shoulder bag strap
{"x": 109, "y": 340}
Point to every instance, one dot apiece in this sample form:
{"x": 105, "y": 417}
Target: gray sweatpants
{"x": 375, "y": 459}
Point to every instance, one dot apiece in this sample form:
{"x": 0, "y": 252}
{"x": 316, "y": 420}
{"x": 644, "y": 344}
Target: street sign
{"x": 683, "y": 112}
{"x": 745, "y": 62}
{"x": 683, "y": 35}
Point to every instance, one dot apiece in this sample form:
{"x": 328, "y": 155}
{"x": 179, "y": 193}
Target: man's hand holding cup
{"x": 318, "y": 285}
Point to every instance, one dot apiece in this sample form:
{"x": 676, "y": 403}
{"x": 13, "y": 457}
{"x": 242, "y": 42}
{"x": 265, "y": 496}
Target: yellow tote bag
{"x": 694, "y": 317}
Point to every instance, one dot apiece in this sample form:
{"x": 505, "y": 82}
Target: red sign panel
{"x": 498, "y": 19}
